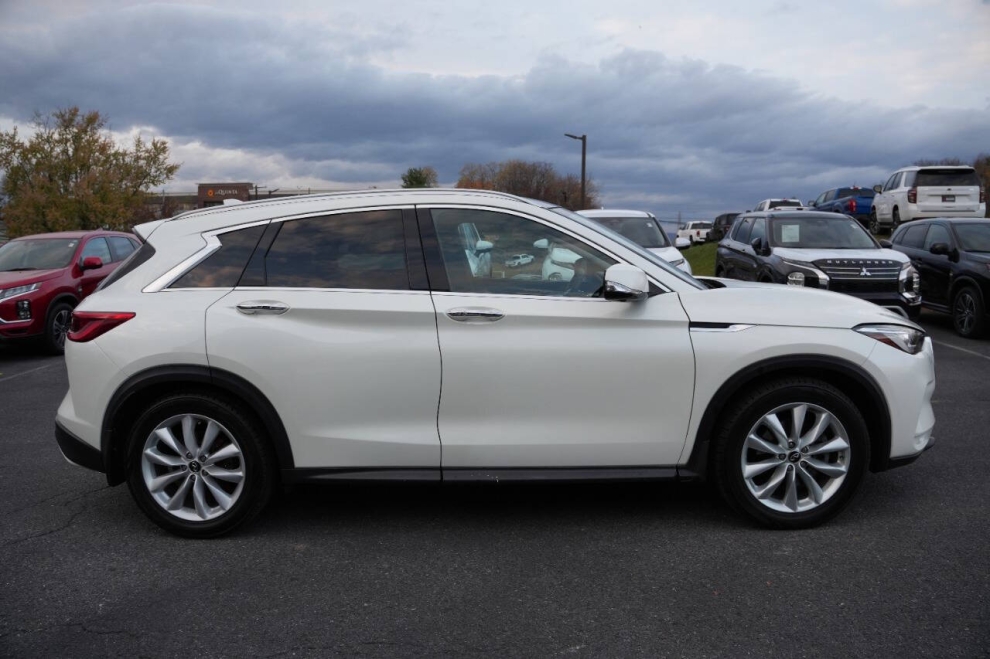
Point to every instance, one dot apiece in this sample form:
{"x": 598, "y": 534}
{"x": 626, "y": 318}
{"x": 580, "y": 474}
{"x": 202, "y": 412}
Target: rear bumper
{"x": 77, "y": 451}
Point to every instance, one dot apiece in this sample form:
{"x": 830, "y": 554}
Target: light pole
{"x": 584, "y": 155}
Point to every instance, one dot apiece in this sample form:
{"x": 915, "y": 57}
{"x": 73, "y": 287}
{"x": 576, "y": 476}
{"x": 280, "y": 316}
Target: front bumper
{"x": 904, "y": 461}
{"x": 77, "y": 451}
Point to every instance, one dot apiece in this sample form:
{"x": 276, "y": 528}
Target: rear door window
{"x": 914, "y": 237}
{"x": 363, "y": 250}
{"x": 742, "y": 233}
{"x": 121, "y": 247}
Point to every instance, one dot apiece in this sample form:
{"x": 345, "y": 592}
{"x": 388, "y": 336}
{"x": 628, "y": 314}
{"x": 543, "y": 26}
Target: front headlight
{"x": 18, "y": 290}
{"x": 908, "y": 339}
{"x": 676, "y": 263}
{"x": 796, "y": 279}
{"x": 909, "y": 281}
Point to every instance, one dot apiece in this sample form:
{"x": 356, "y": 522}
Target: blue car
{"x": 853, "y": 201}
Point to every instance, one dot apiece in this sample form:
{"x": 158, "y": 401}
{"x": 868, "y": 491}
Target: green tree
{"x": 71, "y": 175}
{"x": 536, "y": 180}
{"x": 420, "y": 177}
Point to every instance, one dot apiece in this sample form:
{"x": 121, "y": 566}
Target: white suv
{"x": 306, "y": 339}
{"x": 914, "y": 193}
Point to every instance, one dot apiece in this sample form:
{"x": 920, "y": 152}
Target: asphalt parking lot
{"x": 589, "y": 570}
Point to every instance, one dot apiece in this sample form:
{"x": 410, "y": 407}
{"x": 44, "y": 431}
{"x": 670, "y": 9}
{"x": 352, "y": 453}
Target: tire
{"x": 874, "y": 223}
{"x": 56, "y": 327}
{"x": 719, "y": 271}
{"x": 896, "y": 220}
{"x": 200, "y": 513}
{"x": 784, "y": 506}
{"x": 969, "y": 313}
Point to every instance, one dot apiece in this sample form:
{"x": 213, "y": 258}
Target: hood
{"x": 811, "y": 254}
{"x": 668, "y": 254}
{"x": 774, "y": 304}
{"x": 25, "y": 277}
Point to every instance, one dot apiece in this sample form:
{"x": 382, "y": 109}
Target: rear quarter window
{"x": 223, "y": 268}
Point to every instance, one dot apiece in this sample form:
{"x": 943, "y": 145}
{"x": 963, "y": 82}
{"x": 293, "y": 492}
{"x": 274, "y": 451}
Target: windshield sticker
{"x": 790, "y": 233}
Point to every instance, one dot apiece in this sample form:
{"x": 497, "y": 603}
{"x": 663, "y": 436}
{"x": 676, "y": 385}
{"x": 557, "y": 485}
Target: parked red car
{"x": 43, "y": 277}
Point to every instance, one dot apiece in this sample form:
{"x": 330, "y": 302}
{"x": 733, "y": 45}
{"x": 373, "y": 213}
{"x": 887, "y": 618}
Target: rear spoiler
{"x": 146, "y": 229}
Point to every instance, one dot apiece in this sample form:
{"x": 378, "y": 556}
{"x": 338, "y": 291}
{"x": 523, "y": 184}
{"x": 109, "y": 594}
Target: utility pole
{"x": 584, "y": 156}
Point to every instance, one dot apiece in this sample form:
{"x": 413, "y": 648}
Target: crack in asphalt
{"x": 56, "y": 496}
{"x": 61, "y": 527}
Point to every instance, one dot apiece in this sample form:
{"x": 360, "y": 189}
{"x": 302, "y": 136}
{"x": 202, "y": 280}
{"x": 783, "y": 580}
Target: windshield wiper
{"x": 17, "y": 269}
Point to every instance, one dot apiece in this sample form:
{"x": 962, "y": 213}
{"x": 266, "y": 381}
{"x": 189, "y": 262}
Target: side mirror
{"x": 811, "y": 202}
{"x": 92, "y": 263}
{"x": 878, "y": 189}
{"x": 682, "y": 243}
{"x": 483, "y": 247}
{"x": 760, "y": 246}
{"x": 542, "y": 243}
{"x": 939, "y": 249}
{"x": 886, "y": 244}
{"x": 626, "y": 283}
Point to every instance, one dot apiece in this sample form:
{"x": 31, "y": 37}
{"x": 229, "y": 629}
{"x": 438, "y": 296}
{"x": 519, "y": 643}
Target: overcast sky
{"x": 688, "y": 106}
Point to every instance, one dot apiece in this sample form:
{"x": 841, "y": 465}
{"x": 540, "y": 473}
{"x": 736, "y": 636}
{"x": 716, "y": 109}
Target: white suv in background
{"x": 914, "y": 193}
{"x": 305, "y": 339}
{"x": 643, "y": 229}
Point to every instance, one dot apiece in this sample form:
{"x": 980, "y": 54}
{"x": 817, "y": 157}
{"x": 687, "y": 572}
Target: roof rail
{"x": 345, "y": 193}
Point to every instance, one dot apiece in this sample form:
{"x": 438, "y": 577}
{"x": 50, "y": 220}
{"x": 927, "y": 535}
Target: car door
{"x": 547, "y": 373}
{"x": 90, "y": 279}
{"x": 332, "y": 320}
{"x": 935, "y": 269}
{"x": 738, "y": 266}
{"x": 882, "y": 202}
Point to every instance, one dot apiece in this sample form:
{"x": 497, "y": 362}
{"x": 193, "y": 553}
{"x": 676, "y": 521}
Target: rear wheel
{"x": 874, "y": 223}
{"x": 198, "y": 465}
{"x": 57, "y": 327}
{"x": 896, "y": 220}
{"x": 968, "y": 313}
{"x": 792, "y": 453}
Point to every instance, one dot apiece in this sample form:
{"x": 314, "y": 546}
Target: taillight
{"x": 913, "y": 196}
{"x": 852, "y": 205}
{"x": 87, "y": 325}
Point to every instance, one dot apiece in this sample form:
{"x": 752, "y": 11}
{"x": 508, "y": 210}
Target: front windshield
{"x": 974, "y": 236}
{"x": 644, "y": 231}
{"x": 819, "y": 233}
{"x": 37, "y": 254}
{"x": 625, "y": 242}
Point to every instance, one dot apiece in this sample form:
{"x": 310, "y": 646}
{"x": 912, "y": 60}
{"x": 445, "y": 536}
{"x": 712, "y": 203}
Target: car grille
{"x": 854, "y": 286}
{"x": 859, "y": 269}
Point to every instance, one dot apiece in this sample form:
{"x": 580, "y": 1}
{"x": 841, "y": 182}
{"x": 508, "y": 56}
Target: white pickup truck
{"x": 696, "y": 232}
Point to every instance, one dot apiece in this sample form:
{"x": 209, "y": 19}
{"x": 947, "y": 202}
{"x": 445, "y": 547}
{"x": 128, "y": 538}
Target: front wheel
{"x": 968, "y": 313}
{"x": 198, "y": 465}
{"x": 792, "y": 453}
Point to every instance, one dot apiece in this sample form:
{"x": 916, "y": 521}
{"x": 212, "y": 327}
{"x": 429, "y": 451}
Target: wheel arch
{"x": 59, "y": 298}
{"x": 859, "y": 385}
{"x": 131, "y": 397}
{"x": 965, "y": 280}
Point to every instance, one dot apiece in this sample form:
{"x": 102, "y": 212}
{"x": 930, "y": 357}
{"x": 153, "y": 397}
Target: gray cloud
{"x": 664, "y": 134}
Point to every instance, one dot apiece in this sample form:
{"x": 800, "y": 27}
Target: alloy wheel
{"x": 795, "y": 457}
{"x": 193, "y": 467}
{"x": 965, "y": 313}
{"x": 60, "y": 327}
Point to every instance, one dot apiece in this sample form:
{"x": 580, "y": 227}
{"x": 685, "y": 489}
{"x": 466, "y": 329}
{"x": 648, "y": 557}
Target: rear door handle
{"x": 475, "y": 314}
{"x": 259, "y": 307}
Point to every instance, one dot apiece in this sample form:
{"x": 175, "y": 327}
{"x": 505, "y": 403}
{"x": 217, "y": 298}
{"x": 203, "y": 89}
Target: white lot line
{"x": 968, "y": 352}
{"x": 17, "y": 375}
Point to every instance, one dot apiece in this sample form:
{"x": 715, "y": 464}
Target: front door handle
{"x": 475, "y": 315}
{"x": 259, "y": 307}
